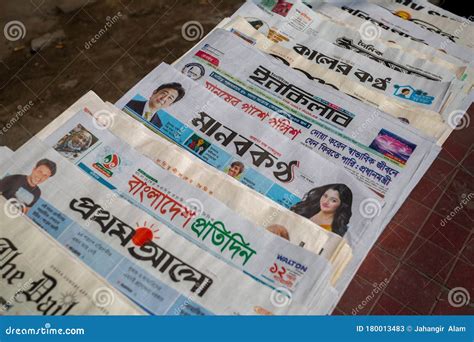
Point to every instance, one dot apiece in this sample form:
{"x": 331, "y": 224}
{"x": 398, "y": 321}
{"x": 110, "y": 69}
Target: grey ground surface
{"x": 134, "y": 37}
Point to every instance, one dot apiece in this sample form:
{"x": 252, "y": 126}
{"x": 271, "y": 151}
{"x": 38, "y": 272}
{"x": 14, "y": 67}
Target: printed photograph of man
{"x": 236, "y": 169}
{"x": 193, "y": 70}
{"x": 75, "y": 142}
{"x": 163, "y": 97}
{"x": 404, "y": 93}
{"x": 25, "y": 188}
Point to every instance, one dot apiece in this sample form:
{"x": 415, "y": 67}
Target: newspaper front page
{"x": 412, "y": 38}
{"x": 232, "y": 80}
{"x": 40, "y": 277}
{"x": 301, "y": 17}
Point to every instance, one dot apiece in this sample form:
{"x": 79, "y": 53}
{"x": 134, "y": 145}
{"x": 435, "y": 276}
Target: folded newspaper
{"x": 353, "y": 13}
{"x": 40, "y": 277}
{"x": 457, "y": 29}
{"x": 334, "y": 127}
{"x": 222, "y": 136}
{"x": 262, "y": 211}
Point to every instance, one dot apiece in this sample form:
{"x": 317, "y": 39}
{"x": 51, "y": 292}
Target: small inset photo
{"x": 404, "y": 92}
{"x": 392, "y": 146}
{"x": 75, "y": 143}
{"x": 197, "y": 144}
{"x": 235, "y": 169}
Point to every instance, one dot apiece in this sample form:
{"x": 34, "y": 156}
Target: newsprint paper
{"x": 40, "y": 277}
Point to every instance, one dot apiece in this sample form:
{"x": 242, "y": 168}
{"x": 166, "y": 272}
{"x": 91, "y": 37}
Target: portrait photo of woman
{"x": 329, "y": 206}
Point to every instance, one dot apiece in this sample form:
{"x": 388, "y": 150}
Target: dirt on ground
{"x": 54, "y": 51}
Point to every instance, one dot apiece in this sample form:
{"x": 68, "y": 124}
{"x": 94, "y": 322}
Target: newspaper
{"x": 458, "y": 31}
{"x": 303, "y": 20}
{"x": 438, "y": 50}
{"x": 248, "y": 248}
{"x": 336, "y": 61}
{"x": 378, "y": 91}
{"x": 352, "y": 13}
{"x": 359, "y": 240}
{"x": 426, "y": 8}
{"x": 263, "y": 211}
{"x": 158, "y": 269}
{"x": 39, "y": 277}
{"x": 236, "y": 196}
{"x": 233, "y": 79}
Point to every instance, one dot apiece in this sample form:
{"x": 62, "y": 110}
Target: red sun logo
{"x": 144, "y": 234}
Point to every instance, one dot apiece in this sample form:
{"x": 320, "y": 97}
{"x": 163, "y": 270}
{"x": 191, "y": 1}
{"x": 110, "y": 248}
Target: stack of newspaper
{"x": 251, "y": 177}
